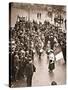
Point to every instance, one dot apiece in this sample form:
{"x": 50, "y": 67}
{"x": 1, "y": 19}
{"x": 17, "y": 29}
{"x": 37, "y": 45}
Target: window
{"x": 38, "y": 15}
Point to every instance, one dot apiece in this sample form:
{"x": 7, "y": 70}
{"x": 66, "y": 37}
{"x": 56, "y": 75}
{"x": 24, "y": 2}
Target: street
{"x": 43, "y": 78}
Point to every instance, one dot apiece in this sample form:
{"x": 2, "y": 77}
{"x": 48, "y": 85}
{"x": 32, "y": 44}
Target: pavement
{"x": 42, "y": 77}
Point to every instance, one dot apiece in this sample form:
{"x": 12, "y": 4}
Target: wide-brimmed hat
{"x": 22, "y": 51}
{"x": 30, "y": 61}
{"x": 51, "y": 50}
{"x": 25, "y": 58}
{"x": 29, "y": 58}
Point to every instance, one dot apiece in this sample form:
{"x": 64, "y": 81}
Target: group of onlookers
{"x": 27, "y": 38}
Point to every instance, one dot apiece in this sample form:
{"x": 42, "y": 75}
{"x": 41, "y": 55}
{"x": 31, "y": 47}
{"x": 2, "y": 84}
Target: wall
{"x": 33, "y": 15}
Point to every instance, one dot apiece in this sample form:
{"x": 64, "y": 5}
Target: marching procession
{"x": 28, "y": 40}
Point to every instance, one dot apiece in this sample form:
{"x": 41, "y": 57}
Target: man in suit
{"x": 29, "y": 69}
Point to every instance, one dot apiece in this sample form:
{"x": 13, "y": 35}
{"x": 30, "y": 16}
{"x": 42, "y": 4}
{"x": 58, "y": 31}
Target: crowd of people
{"x": 27, "y": 38}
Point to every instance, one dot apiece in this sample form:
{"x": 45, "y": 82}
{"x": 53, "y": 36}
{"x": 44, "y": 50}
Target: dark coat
{"x": 30, "y": 68}
{"x": 51, "y": 65}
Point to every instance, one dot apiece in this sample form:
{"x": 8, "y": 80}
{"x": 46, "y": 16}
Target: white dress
{"x": 51, "y": 56}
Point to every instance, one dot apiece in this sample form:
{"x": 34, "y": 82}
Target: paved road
{"x": 42, "y": 77}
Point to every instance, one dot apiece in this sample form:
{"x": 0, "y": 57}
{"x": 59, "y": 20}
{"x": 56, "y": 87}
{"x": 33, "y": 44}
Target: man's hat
{"x": 53, "y": 83}
{"x": 30, "y": 61}
{"x": 25, "y": 58}
{"x": 29, "y": 58}
{"x": 51, "y": 50}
